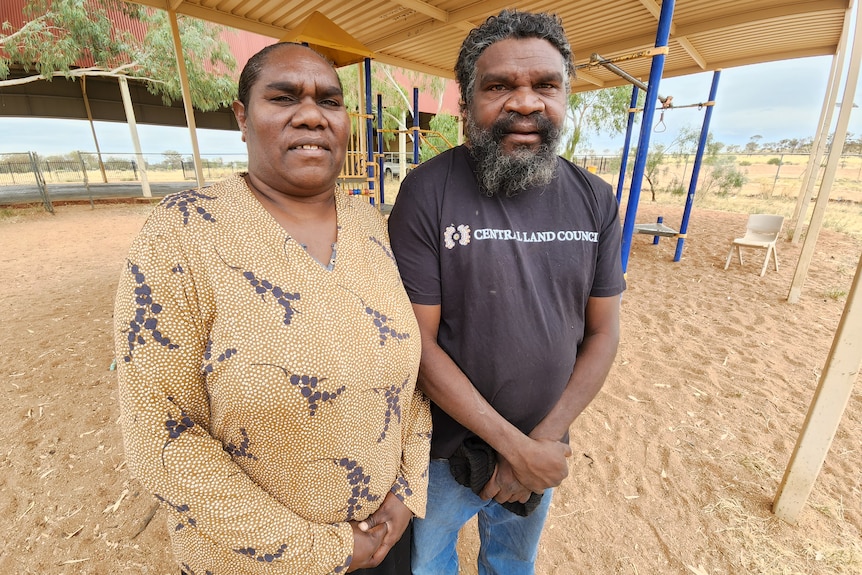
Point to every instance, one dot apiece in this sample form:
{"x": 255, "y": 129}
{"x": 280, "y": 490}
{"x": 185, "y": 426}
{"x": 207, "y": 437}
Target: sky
{"x": 775, "y": 100}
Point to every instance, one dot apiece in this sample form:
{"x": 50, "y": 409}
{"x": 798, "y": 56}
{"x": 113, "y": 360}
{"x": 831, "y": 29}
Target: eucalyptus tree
{"x": 597, "y": 112}
{"x": 78, "y": 38}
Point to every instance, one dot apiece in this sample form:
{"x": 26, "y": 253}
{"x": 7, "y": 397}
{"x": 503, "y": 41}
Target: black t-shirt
{"x": 512, "y": 277}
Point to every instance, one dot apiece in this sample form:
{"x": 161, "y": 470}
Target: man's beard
{"x": 510, "y": 173}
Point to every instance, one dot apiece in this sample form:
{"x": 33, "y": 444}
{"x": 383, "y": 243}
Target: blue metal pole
{"x": 369, "y": 126}
{"x": 625, "y": 159}
{"x": 695, "y": 170}
{"x": 656, "y": 71}
{"x": 415, "y": 126}
{"x": 380, "y": 144}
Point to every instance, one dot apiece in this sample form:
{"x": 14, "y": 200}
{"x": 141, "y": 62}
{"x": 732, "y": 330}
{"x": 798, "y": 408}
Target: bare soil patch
{"x": 676, "y": 463}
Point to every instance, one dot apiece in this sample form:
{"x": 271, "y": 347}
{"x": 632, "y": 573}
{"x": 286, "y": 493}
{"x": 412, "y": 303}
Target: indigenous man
{"x": 511, "y": 258}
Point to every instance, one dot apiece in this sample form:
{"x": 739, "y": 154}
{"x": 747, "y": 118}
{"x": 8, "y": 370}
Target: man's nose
{"x": 525, "y": 101}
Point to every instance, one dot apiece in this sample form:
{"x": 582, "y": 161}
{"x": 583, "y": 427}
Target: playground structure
{"x": 364, "y": 168}
{"x": 658, "y": 55}
{"x": 843, "y": 362}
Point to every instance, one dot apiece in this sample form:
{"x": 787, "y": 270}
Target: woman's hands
{"x": 365, "y": 545}
{"x": 381, "y": 530}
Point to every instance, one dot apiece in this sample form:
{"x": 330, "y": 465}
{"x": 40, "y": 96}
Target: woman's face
{"x": 295, "y": 125}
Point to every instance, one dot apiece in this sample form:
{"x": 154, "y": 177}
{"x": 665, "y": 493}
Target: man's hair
{"x": 255, "y": 64}
{"x": 509, "y": 24}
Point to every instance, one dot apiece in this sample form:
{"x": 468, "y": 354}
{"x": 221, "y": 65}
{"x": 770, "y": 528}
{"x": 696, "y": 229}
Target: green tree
{"x": 58, "y": 34}
{"x": 210, "y": 91}
{"x": 719, "y": 173}
{"x": 397, "y": 101}
{"x": 599, "y": 111}
{"x": 447, "y": 126}
{"x": 752, "y": 145}
{"x": 655, "y": 168}
{"x": 173, "y": 159}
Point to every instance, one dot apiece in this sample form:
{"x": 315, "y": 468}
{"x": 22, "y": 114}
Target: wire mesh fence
{"x": 17, "y": 169}
{"x": 27, "y": 177}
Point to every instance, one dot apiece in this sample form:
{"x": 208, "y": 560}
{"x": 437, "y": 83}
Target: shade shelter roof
{"x": 329, "y": 39}
{"x": 425, "y": 35}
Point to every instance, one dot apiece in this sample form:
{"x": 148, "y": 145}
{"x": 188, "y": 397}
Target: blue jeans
{"x": 508, "y": 542}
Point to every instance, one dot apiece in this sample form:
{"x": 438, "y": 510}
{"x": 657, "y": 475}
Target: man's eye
{"x": 282, "y": 98}
{"x": 331, "y": 103}
{"x": 496, "y": 88}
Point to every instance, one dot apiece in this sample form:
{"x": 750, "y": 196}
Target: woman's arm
{"x": 161, "y": 338}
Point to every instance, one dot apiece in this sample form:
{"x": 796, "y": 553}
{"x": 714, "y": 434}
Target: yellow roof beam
{"x": 425, "y": 8}
{"x": 692, "y": 51}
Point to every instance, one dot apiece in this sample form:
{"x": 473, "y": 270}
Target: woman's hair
{"x": 509, "y": 24}
{"x": 255, "y": 64}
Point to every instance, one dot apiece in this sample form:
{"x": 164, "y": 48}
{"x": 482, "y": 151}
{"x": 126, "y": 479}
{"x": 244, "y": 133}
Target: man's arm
{"x": 537, "y": 463}
{"x": 595, "y": 357}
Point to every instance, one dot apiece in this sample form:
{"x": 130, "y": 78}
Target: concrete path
{"x": 29, "y": 193}
{"x": 19, "y": 194}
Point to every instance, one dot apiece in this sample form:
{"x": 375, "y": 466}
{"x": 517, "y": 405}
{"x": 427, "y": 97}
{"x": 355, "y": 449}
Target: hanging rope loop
{"x": 660, "y": 126}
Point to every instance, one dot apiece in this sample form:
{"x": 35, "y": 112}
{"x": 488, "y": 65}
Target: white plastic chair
{"x": 761, "y": 232}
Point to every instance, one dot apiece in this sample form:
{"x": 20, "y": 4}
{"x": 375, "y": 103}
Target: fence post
{"x": 777, "y": 170}
{"x": 86, "y": 179}
{"x": 40, "y": 181}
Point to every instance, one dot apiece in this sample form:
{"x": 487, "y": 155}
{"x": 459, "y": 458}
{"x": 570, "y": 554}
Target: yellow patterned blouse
{"x": 266, "y": 400}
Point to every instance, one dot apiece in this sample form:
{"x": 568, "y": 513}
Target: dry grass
{"x": 764, "y": 193}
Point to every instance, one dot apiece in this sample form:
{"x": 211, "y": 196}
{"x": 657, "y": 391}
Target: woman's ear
{"x": 239, "y": 113}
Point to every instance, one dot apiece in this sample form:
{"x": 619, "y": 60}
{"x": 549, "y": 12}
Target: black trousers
{"x": 397, "y": 561}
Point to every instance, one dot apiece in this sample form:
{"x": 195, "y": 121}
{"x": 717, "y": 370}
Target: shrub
{"x": 723, "y": 178}
{"x": 675, "y": 187}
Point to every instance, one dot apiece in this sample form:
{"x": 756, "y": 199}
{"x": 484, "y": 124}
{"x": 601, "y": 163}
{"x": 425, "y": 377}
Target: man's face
{"x": 295, "y": 125}
{"x": 517, "y": 112}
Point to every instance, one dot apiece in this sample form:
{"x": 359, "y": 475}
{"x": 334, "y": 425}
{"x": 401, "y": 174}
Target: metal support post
{"x": 695, "y": 169}
{"x": 656, "y": 71}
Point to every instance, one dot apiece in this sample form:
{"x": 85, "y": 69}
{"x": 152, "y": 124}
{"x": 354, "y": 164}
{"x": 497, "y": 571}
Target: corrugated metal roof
{"x": 425, "y": 35}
